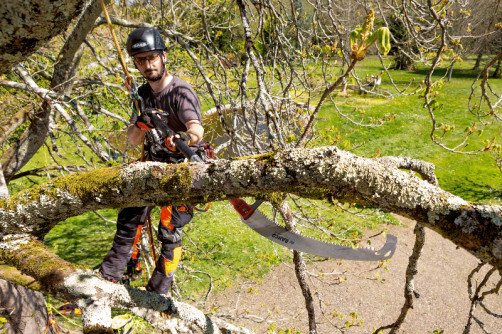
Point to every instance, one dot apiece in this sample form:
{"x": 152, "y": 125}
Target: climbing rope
{"x": 130, "y": 83}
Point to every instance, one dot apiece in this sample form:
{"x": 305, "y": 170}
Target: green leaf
{"x": 382, "y": 38}
{"x": 354, "y": 37}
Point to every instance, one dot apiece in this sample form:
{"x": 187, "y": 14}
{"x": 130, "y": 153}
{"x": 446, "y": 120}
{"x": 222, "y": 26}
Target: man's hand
{"x": 183, "y": 136}
{"x": 144, "y": 121}
{"x": 169, "y": 142}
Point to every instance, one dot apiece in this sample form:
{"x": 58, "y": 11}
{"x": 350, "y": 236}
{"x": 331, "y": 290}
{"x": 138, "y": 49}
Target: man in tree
{"x": 175, "y": 102}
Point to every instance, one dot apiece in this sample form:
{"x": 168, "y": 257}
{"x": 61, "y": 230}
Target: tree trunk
{"x": 402, "y": 62}
{"x": 24, "y": 309}
{"x": 478, "y": 62}
{"x": 496, "y": 73}
{"x": 450, "y": 71}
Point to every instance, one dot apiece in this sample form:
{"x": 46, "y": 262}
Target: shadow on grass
{"x": 474, "y": 191}
{"x": 84, "y": 239}
{"x": 457, "y": 73}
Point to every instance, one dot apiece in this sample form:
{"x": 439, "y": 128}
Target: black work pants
{"x": 129, "y": 225}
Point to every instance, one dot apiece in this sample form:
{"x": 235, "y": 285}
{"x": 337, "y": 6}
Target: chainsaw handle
{"x": 186, "y": 150}
{"x": 180, "y": 144}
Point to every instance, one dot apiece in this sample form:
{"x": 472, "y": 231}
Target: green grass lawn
{"x": 406, "y": 132}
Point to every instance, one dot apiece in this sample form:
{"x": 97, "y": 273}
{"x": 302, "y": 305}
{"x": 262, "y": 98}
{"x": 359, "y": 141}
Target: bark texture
{"x": 325, "y": 172}
{"x": 24, "y": 309}
{"x": 28, "y": 25}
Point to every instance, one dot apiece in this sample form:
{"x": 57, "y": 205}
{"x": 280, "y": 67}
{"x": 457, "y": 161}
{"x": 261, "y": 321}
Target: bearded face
{"x": 151, "y": 65}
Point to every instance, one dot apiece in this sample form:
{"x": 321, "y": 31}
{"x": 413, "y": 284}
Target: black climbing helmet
{"x": 143, "y": 40}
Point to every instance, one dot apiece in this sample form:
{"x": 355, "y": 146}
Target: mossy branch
{"x": 31, "y": 257}
{"x": 321, "y": 173}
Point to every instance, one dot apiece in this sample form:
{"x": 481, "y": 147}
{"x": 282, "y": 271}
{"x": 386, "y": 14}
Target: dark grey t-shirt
{"x": 181, "y": 103}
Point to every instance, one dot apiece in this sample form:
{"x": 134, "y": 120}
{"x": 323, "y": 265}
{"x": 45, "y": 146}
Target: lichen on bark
{"x": 27, "y": 25}
{"x": 320, "y": 173}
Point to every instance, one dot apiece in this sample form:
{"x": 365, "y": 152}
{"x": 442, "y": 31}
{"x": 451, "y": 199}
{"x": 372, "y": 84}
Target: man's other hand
{"x": 169, "y": 142}
{"x": 144, "y": 121}
{"x": 183, "y": 136}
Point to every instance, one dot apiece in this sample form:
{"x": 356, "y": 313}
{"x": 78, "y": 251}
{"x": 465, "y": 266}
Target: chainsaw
{"x": 258, "y": 222}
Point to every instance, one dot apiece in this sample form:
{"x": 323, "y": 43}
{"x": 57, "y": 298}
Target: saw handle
{"x": 180, "y": 144}
{"x": 244, "y": 209}
{"x": 187, "y": 152}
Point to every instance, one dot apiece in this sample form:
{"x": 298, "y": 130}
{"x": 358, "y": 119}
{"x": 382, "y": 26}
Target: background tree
{"x": 483, "y": 29}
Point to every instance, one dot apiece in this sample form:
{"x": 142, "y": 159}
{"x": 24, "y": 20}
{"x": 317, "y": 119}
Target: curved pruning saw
{"x": 272, "y": 231}
{"x": 258, "y": 222}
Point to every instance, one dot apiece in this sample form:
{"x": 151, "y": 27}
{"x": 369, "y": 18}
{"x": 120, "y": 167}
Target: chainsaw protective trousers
{"x": 129, "y": 225}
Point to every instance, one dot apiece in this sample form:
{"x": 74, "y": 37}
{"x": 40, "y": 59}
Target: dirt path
{"x": 374, "y": 293}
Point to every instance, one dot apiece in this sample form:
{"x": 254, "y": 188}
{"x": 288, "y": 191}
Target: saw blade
{"x": 258, "y": 222}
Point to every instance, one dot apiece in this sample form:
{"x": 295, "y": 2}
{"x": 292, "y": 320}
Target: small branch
{"x": 300, "y": 269}
{"x": 409, "y": 288}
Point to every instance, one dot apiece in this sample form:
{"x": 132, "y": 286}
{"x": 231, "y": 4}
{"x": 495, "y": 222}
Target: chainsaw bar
{"x": 258, "y": 222}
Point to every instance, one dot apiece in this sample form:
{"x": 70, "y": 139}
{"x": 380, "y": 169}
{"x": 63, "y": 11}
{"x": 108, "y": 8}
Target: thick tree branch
{"x": 96, "y": 296}
{"x": 325, "y": 172}
{"x": 25, "y": 26}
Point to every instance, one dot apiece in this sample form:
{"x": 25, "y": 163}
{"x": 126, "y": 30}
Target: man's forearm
{"x": 195, "y": 131}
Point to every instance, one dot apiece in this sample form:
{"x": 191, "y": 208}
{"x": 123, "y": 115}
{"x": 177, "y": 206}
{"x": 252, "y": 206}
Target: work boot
{"x": 159, "y": 283}
{"x": 100, "y": 273}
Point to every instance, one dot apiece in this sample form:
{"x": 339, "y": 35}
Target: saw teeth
{"x": 264, "y": 226}
{"x": 371, "y": 249}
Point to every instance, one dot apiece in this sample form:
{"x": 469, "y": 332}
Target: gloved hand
{"x": 144, "y": 120}
{"x": 183, "y": 136}
{"x": 169, "y": 142}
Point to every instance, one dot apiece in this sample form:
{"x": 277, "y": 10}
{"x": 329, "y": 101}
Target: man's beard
{"x": 155, "y": 78}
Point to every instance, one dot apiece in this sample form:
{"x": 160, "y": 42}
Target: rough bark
{"x": 27, "y": 25}
{"x": 325, "y": 172}
{"x": 24, "y": 309}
